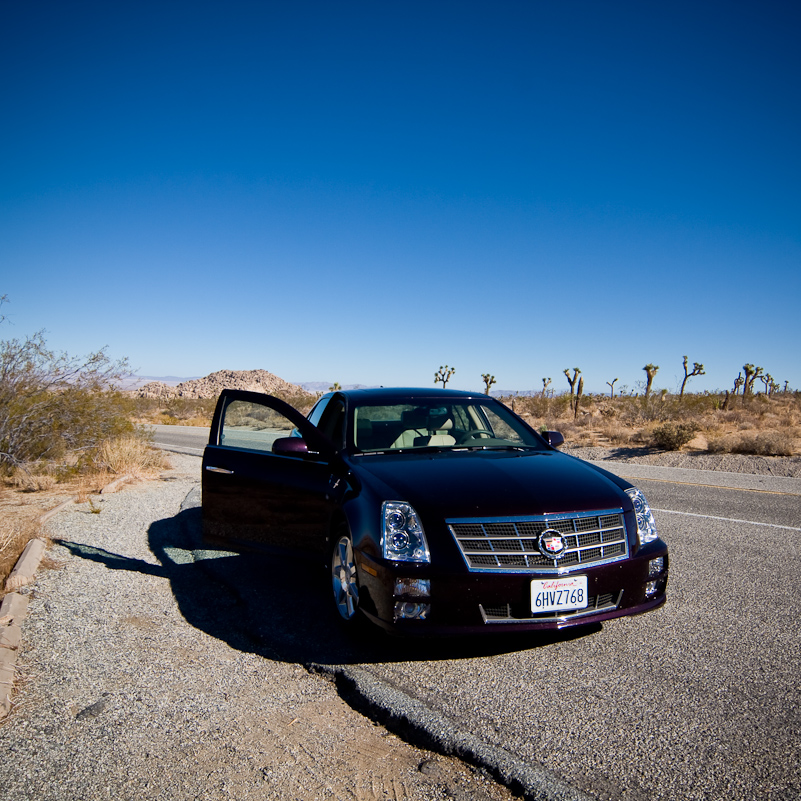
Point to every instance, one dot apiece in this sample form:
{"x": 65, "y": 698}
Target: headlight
{"x": 402, "y": 536}
{"x": 646, "y": 525}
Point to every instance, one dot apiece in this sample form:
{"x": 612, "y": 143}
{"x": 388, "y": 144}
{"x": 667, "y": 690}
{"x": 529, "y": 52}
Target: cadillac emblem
{"x": 551, "y": 544}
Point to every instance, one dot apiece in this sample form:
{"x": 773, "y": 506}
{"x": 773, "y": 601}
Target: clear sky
{"x": 362, "y": 191}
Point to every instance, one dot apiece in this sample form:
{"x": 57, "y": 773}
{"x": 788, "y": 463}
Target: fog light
{"x": 650, "y": 588}
{"x": 407, "y": 610}
{"x": 655, "y": 566}
{"x": 417, "y": 588}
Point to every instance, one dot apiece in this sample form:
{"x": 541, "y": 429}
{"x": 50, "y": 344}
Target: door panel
{"x": 254, "y": 496}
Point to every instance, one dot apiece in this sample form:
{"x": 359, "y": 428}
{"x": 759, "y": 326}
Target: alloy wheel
{"x": 343, "y": 578}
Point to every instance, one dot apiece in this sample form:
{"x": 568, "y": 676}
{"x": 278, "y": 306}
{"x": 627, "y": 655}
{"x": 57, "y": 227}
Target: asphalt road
{"x": 697, "y": 700}
{"x": 184, "y": 439}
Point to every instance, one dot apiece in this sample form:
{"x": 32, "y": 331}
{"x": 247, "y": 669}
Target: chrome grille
{"x": 506, "y": 613}
{"x": 510, "y": 544}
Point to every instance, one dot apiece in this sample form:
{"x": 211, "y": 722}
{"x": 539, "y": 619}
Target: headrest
{"x": 415, "y": 418}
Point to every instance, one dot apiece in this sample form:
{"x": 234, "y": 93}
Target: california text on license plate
{"x": 557, "y": 594}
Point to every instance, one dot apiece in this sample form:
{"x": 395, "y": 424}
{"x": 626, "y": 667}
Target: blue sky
{"x": 363, "y": 191}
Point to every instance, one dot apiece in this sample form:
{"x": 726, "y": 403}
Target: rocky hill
{"x": 211, "y": 385}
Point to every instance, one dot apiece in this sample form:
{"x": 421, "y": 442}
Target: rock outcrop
{"x": 211, "y": 385}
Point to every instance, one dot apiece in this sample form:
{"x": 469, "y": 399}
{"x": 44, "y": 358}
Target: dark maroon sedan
{"x": 438, "y": 511}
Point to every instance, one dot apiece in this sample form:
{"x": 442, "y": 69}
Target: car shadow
{"x": 281, "y": 607}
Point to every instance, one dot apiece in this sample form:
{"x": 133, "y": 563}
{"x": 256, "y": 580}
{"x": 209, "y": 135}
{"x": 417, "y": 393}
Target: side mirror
{"x": 554, "y": 438}
{"x": 291, "y": 446}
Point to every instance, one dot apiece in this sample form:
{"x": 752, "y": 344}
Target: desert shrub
{"x": 188, "y": 409}
{"x": 15, "y": 532}
{"x": 673, "y": 436}
{"x": 302, "y": 401}
{"x": 129, "y": 455}
{"x": 766, "y": 443}
{"x": 174, "y": 411}
{"x": 32, "y": 478}
{"x": 56, "y": 406}
{"x": 617, "y": 434}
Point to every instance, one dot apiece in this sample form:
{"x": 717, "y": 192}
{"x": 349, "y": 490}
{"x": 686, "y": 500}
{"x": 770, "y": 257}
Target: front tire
{"x": 344, "y": 580}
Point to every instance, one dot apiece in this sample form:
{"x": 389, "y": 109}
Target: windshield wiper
{"x": 497, "y": 448}
{"x": 418, "y": 449}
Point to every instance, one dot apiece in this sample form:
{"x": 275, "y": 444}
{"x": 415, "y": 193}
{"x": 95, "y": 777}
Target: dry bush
{"x": 55, "y": 406}
{"x": 30, "y": 480}
{"x": 764, "y": 443}
{"x": 672, "y": 436}
{"x": 16, "y": 530}
{"x": 617, "y": 434}
{"x": 174, "y": 411}
{"x": 129, "y": 456}
{"x": 629, "y": 420}
{"x": 164, "y": 419}
{"x": 301, "y": 401}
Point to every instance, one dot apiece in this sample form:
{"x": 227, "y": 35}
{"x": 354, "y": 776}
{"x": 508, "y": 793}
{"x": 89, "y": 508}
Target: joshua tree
{"x": 489, "y": 380}
{"x": 337, "y": 386}
{"x": 751, "y": 375}
{"x": 572, "y": 382}
{"x": 611, "y": 385}
{"x": 738, "y": 382}
{"x": 545, "y": 383}
{"x": 767, "y": 380}
{"x": 579, "y": 393}
{"x": 443, "y": 374}
{"x": 698, "y": 369}
{"x": 650, "y": 372}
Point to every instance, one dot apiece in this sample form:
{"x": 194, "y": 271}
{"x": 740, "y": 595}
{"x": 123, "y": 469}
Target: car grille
{"x": 506, "y": 613}
{"x": 511, "y": 544}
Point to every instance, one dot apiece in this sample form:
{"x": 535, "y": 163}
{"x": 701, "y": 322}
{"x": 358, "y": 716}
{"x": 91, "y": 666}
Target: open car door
{"x": 267, "y": 476}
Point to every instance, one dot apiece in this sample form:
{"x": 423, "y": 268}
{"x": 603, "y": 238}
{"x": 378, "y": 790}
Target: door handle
{"x": 219, "y": 470}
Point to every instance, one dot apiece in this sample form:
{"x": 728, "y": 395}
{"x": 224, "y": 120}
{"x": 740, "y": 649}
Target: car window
{"x": 439, "y": 424}
{"x": 251, "y": 426}
{"x": 317, "y": 412}
{"x": 501, "y": 428}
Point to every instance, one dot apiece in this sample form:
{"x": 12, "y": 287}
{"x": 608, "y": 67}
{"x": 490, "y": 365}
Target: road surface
{"x": 698, "y": 700}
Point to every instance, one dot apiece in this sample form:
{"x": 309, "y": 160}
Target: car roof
{"x": 403, "y": 394}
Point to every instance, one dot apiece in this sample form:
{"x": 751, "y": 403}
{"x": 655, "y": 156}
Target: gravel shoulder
{"x": 121, "y": 696}
{"x": 780, "y": 466}
{"x": 139, "y": 677}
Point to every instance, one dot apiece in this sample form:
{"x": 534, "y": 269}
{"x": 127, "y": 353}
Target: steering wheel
{"x": 474, "y": 434}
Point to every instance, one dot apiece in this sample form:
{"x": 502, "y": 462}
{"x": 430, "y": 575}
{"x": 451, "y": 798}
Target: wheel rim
{"x": 343, "y": 576}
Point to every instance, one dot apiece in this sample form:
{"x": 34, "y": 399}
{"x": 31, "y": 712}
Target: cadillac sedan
{"x": 437, "y": 511}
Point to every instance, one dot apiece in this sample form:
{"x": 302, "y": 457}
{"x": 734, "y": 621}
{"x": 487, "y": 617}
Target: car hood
{"x": 494, "y": 483}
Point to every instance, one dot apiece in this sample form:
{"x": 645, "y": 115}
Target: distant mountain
{"x": 136, "y": 381}
{"x": 213, "y": 384}
{"x": 258, "y": 380}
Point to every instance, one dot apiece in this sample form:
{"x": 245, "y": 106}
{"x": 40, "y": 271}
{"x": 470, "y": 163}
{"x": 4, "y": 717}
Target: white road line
{"x": 182, "y": 447}
{"x": 727, "y": 519}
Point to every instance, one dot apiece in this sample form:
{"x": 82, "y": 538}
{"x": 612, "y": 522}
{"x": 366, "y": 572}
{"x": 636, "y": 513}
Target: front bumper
{"x": 486, "y": 603}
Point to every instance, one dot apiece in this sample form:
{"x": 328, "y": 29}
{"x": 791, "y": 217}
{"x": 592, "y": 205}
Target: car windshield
{"x": 434, "y": 424}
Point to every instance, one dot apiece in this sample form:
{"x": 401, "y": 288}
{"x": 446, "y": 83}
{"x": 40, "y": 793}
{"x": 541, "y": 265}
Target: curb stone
{"x": 12, "y": 612}
{"x": 26, "y": 565}
{"x": 415, "y": 722}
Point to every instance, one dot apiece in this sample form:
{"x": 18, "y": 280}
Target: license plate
{"x": 559, "y": 594}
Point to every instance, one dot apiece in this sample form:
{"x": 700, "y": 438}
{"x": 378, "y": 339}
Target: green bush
{"x": 54, "y": 407}
{"x": 673, "y": 436}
